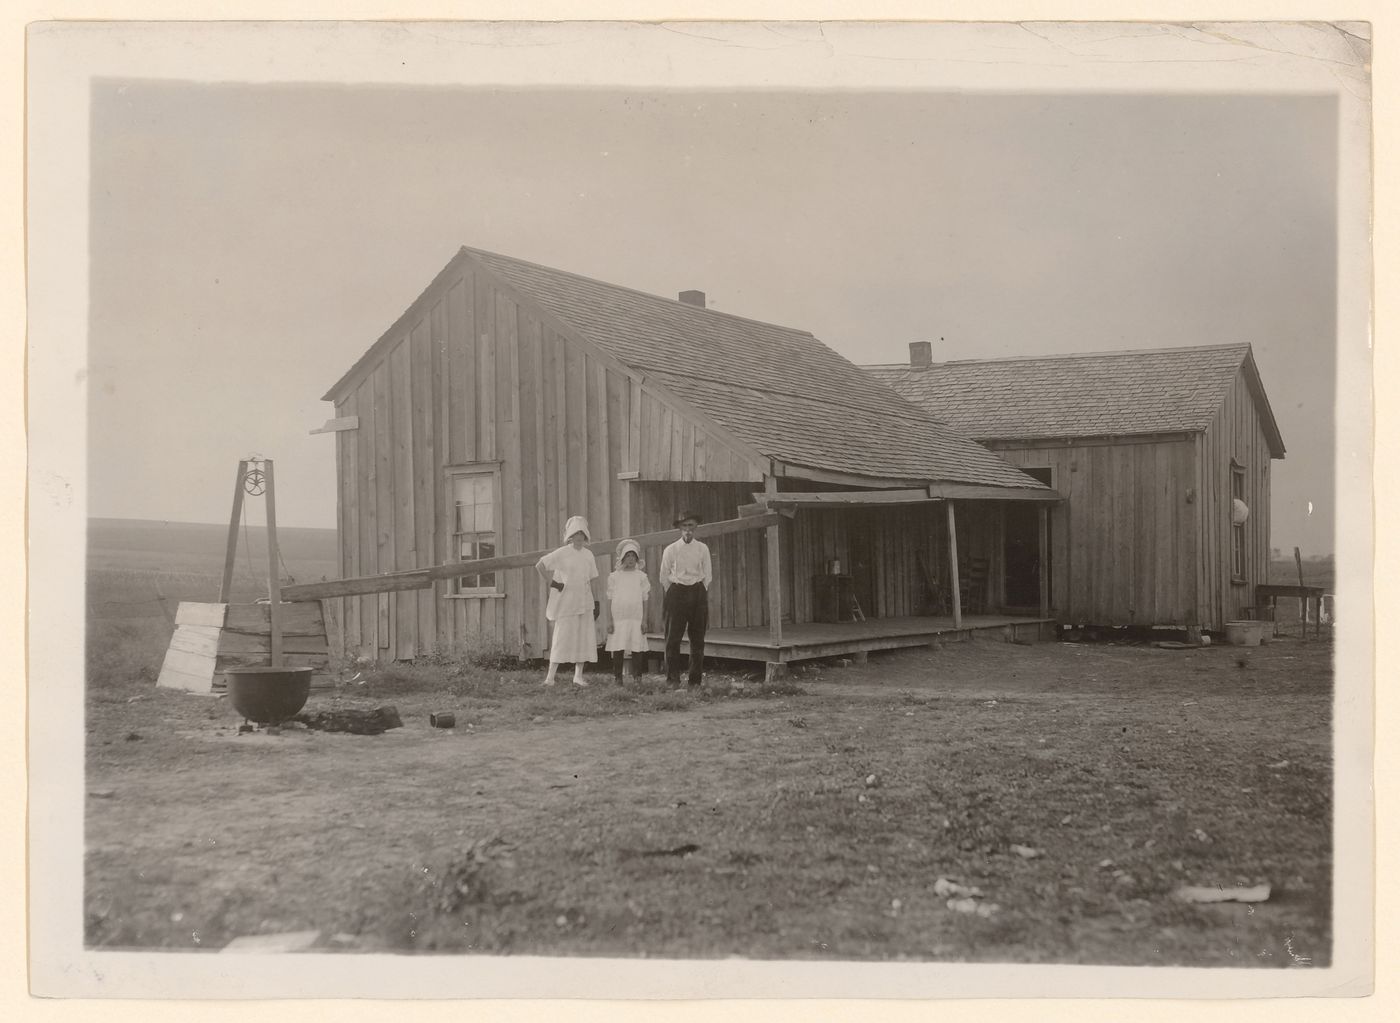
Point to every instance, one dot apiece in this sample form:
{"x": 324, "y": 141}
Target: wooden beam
{"x": 231, "y": 548}
{"x": 969, "y": 492}
{"x": 337, "y": 425}
{"x": 274, "y": 582}
{"x": 807, "y": 472}
{"x": 953, "y": 567}
{"x": 1044, "y": 561}
{"x": 826, "y": 499}
{"x": 422, "y": 578}
{"x": 775, "y": 581}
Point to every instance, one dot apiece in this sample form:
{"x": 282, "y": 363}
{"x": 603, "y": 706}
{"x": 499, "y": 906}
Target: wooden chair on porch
{"x": 972, "y": 581}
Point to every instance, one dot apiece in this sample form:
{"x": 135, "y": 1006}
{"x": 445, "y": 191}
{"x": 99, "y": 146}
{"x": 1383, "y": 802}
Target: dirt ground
{"x": 1078, "y": 786}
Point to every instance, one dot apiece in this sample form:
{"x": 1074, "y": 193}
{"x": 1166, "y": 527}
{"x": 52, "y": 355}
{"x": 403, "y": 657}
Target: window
{"x": 1239, "y": 515}
{"x": 473, "y": 511}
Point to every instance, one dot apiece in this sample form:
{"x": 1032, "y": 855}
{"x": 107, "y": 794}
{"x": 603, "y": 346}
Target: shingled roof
{"x": 780, "y": 390}
{"x": 1102, "y": 394}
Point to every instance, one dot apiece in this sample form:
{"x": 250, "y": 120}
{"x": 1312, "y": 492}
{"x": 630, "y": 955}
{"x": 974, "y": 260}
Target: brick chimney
{"x": 693, "y": 298}
{"x": 920, "y": 354}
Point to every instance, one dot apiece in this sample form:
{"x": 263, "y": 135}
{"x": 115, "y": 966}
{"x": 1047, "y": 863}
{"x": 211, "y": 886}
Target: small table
{"x": 1309, "y": 594}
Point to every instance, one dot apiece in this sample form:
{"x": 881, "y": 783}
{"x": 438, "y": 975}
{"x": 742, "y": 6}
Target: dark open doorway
{"x": 1021, "y": 550}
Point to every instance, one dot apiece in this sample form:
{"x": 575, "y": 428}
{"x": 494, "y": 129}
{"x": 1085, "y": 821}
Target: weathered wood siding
{"x": 738, "y": 592}
{"x": 477, "y": 375}
{"x": 1123, "y": 542}
{"x": 1235, "y": 433}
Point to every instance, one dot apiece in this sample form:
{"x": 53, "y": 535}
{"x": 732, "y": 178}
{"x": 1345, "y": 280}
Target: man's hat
{"x": 687, "y": 516}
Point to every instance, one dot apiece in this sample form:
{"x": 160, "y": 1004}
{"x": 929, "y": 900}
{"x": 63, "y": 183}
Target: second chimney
{"x": 693, "y": 298}
{"x": 920, "y": 354}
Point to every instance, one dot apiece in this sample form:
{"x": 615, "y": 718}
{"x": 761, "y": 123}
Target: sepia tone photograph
{"x": 831, "y": 504}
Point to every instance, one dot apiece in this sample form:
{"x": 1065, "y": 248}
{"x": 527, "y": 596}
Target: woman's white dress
{"x": 574, "y": 640}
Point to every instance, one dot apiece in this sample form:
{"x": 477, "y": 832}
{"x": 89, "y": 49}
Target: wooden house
{"x": 1162, "y": 458}
{"x": 510, "y": 396}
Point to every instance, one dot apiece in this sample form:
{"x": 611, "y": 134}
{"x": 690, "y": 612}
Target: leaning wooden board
{"x": 211, "y": 638}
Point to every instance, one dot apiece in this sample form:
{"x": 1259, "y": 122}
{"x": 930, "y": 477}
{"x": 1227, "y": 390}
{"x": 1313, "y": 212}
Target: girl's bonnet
{"x": 623, "y": 548}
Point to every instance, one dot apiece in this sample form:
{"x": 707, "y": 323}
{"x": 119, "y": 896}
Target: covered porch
{"x": 811, "y": 640}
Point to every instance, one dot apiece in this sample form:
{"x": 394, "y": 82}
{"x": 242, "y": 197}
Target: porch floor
{"x": 809, "y": 640}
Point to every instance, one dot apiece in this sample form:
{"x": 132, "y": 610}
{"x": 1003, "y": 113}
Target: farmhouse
{"x": 510, "y": 396}
{"x": 1162, "y": 458}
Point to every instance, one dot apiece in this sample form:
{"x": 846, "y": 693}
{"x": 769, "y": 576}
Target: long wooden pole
{"x": 274, "y": 583}
{"x": 953, "y": 567}
{"x": 775, "y": 581}
{"x": 231, "y": 549}
{"x": 423, "y": 578}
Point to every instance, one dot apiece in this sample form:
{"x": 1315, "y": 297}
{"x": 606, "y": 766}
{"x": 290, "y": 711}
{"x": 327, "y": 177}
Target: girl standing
{"x": 628, "y": 588}
{"x": 570, "y": 572}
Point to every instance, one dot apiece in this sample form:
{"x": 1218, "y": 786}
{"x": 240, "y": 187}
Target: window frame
{"x": 1238, "y": 480}
{"x": 452, "y": 474}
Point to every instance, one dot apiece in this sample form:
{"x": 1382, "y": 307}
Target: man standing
{"x": 685, "y": 580}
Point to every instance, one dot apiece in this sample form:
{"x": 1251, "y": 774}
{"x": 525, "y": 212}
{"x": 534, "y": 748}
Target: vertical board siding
{"x": 1121, "y": 541}
{"x": 1235, "y": 433}
{"x": 403, "y": 606}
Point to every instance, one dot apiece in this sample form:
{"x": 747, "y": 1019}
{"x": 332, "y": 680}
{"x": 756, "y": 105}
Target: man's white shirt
{"x": 686, "y": 563}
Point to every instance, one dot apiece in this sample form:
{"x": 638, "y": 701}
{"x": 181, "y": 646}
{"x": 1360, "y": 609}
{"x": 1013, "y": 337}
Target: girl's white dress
{"x": 627, "y": 597}
{"x": 574, "y": 640}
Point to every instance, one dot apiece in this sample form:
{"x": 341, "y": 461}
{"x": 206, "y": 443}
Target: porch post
{"x": 775, "y": 582}
{"x": 953, "y": 566}
{"x": 1044, "y": 561}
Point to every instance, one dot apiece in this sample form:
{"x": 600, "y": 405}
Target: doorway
{"x": 1021, "y": 547}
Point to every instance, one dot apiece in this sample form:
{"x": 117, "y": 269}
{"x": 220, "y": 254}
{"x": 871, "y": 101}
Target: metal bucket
{"x": 1244, "y": 633}
{"x": 268, "y": 695}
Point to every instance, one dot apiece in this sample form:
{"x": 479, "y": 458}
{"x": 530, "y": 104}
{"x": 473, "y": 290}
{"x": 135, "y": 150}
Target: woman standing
{"x": 570, "y": 572}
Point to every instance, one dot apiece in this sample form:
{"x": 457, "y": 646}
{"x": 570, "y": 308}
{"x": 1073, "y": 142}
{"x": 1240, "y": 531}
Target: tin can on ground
{"x": 447, "y": 720}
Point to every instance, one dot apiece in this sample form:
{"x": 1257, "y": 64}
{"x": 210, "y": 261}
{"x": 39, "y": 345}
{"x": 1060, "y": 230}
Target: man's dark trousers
{"x": 687, "y": 608}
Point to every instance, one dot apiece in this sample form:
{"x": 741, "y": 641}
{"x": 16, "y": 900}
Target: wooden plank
{"x": 424, "y": 470}
{"x": 619, "y": 523}
{"x": 187, "y": 672}
{"x": 348, "y": 524}
{"x": 633, "y": 459}
{"x": 365, "y": 497}
{"x": 551, "y": 441}
{"x": 192, "y": 613}
{"x": 774, "y": 576}
{"x": 196, "y": 639}
{"x": 510, "y": 531}
{"x": 243, "y": 643}
{"x": 953, "y": 567}
{"x": 337, "y": 425}
{"x": 404, "y": 620}
{"x": 274, "y": 577}
{"x": 422, "y": 578}
{"x": 678, "y": 425}
{"x": 299, "y": 618}
{"x": 462, "y": 402}
{"x": 439, "y": 513}
{"x": 573, "y": 491}
{"x": 231, "y": 546}
{"x": 188, "y": 667}
{"x": 531, "y": 471}
{"x": 600, "y": 456}
{"x": 384, "y": 496}
{"x": 487, "y": 383}
{"x": 968, "y": 492}
{"x": 253, "y": 660}
{"x": 688, "y": 439}
{"x": 854, "y": 498}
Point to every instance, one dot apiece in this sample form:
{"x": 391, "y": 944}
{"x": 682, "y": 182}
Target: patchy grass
{"x": 807, "y": 820}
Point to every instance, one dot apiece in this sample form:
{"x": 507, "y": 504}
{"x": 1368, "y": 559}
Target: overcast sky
{"x": 250, "y": 242}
